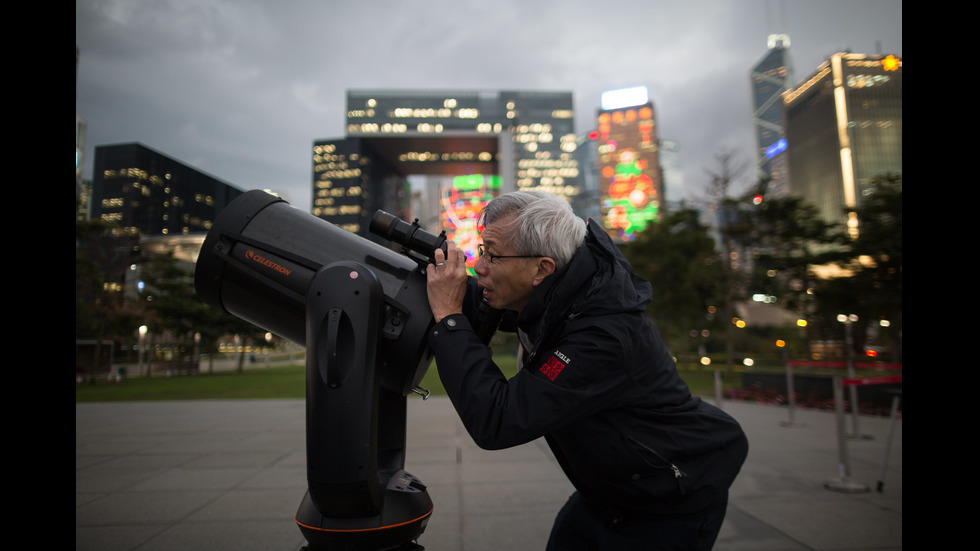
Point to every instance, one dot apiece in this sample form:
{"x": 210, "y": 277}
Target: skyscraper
{"x": 844, "y": 129}
{"x": 673, "y": 174}
{"x": 586, "y": 201}
{"x": 630, "y": 178}
{"x": 770, "y": 77}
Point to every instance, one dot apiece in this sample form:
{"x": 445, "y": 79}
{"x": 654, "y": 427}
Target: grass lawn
{"x": 288, "y": 381}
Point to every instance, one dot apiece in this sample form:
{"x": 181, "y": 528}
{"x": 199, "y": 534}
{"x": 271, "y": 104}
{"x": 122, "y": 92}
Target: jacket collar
{"x": 598, "y": 278}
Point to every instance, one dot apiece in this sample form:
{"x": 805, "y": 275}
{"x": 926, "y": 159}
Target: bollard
{"x": 790, "y": 395}
{"x": 888, "y": 443}
{"x": 844, "y": 482}
{"x": 718, "y": 388}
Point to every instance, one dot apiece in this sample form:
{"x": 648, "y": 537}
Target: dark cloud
{"x": 240, "y": 89}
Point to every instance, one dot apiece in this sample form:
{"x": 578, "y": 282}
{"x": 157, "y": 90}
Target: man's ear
{"x": 546, "y": 267}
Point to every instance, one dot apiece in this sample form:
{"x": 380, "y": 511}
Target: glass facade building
{"x": 351, "y": 181}
{"x": 586, "y": 201}
{"x": 523, "y": 139}
{"x": 144, "y": 192}
{"x": 769, "y": 78}
{"x": 673, "y": 175}
{"x": 843, "y": 130}
{"x": 155, "y": 204}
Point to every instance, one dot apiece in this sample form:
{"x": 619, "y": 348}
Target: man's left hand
{"x": 446, "y": 282}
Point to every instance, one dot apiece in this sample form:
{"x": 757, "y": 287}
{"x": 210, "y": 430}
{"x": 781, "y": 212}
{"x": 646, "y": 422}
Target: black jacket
{"x": 599, "y": 385}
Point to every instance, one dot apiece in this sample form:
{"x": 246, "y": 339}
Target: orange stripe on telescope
{"x": 367, "y": 529}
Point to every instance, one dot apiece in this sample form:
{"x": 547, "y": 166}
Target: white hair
{"x": 544, "y": 224}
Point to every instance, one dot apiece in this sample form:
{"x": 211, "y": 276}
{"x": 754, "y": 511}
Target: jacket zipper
{"x": 678, "y": 473}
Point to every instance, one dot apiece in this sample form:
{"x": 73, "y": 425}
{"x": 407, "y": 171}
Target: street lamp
{"x": 268, "y": 343}
{"x": 848, "y": 320}
{"x": 142, "y": 352}
{"x": 197, "y": 351}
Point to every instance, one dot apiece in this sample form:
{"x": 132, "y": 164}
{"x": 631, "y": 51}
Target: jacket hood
{"x": 598, "y": 280}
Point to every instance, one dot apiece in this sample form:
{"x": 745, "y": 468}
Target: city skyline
{"x": 241, "y": 91}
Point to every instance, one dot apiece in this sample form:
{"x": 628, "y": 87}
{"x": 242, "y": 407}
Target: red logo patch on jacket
{"x": 552, "y": 367}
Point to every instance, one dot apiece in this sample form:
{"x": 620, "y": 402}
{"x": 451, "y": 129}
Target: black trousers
{"x": 580, "y": 528}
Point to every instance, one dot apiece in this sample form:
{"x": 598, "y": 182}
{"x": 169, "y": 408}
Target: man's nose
{"x": 482, "y": 266}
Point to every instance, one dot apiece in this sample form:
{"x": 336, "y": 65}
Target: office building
{"x": 510, "y": 139}
{"x": 672, "y": 171}
{"x": 155, "y": 204}
{"x": 769, "y": 78}
{"x": 586, "y": 202}
{"x": 351, "y": 180}
{"x": 143, "y": 192}
{"x": 844, "y": 129}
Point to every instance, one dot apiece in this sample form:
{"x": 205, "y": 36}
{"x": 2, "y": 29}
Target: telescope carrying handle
{"x": 344, "y": 309}
{"x": 330, "y": 369}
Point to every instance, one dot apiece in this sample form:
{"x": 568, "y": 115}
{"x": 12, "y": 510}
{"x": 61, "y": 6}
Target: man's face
{"x": 507, "y": 283}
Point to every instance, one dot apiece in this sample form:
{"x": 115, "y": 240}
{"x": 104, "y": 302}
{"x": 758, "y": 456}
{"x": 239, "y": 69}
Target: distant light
{"x": 780, "y": 343}
{"x": 594, "y": 135}
{"x": 748, "y": 362}
{"x": 625, "y": 97}
{"x": 781, "y": 40}
{"x": 776, "y": 148}
{"x": 705, "y": 360}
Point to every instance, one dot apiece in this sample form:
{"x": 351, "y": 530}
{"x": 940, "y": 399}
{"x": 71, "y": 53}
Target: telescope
{"x": 362, "y": 312}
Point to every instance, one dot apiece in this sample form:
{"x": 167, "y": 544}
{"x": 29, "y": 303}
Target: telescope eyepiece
{"x": 411, "y": 236}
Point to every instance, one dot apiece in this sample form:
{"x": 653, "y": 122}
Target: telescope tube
{"x": 259, "y": 258}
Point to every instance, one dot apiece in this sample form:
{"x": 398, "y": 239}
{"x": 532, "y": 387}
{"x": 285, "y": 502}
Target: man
{"x": 650, "y": 463}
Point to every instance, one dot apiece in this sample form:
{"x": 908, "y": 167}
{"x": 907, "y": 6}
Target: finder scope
{"x": 410, "y": 236}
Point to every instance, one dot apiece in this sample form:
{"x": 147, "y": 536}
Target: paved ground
{"x": 218, "y": 475}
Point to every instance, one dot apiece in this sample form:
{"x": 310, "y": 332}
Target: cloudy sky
{"x": 240, "y": 89}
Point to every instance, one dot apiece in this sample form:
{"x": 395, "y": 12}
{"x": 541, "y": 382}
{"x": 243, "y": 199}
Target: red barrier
{"x": 858, "y": 365}
{"x": 861, "y": 381}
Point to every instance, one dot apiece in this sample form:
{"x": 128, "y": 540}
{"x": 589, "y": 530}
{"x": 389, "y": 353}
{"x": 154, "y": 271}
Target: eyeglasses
{"x": 491, "y": 257}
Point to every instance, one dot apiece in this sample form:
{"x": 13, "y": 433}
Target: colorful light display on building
{"x": 462, "y": 203}
{"x": 630, "y": 183}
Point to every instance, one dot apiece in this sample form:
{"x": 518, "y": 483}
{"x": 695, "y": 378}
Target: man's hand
{"x": 446, "y": 282}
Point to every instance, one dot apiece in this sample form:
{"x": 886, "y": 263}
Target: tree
{"x": 874, "y": 258}
{"x": 101, "y": 311}
{"x": 170, "y": 302}
{"x": 172, "y": 299}
{"x": 786, "y": 238}
{"x": 730, "y": 225}
{"x": 678, "y": 257}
